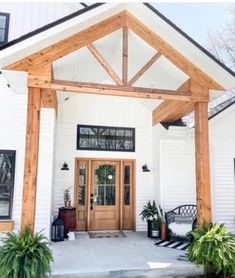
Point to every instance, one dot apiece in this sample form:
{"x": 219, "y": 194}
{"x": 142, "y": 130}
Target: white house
{"x": 101, "y": 126}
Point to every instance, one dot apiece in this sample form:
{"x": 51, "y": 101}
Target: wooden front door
{"x": 104, "y": 196}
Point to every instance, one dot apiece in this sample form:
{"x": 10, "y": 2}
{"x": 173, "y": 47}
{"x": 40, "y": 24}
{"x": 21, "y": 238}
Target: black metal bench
{"x": 185, "y": 210}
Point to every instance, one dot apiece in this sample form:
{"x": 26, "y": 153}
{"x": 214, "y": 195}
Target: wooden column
{"x": 31, "y": 158}
{"x": 202, "y": 162}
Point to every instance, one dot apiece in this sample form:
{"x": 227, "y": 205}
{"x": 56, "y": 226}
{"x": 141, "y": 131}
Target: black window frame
{"x": 106, "y": 149}
{"x": 9, "y": 216}
{"x": 6, "y": 33}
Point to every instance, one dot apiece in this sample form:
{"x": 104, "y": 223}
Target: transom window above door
{"x": 105, "y": 138}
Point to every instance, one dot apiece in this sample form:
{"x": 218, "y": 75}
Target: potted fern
{"x": 214, "y": 247}
{"x": 67, "y": 197}
{"x": 25, "y": 255}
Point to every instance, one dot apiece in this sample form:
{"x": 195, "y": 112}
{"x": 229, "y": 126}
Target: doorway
{"x": 104, "y": 194}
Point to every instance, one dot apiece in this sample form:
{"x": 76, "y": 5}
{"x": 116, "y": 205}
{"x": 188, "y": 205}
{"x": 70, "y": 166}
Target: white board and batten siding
{"x": 104, "y": 111}
{"x": 45, "y": 171}
{"x": 13, "y": 109}
{"x": 177, "y": 170}
{"x": 222, "y": 140}
{"x": 27, "y": 17}
{"x": 177, "y": 167}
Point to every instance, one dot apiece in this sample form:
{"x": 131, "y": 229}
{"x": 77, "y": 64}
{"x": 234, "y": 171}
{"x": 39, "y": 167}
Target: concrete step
{"x": 171, "y": 272}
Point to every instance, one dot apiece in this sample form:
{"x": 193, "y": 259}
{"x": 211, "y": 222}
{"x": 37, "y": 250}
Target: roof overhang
{"x": 145, "y": 13}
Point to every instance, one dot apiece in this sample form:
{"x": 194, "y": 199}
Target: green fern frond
{"x": 24, "y": 255}
{"x": 213, "y": 246}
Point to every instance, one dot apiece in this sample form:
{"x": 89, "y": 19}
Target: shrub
{"x": 25, "y": 255}
{"x": 214, "y": 247}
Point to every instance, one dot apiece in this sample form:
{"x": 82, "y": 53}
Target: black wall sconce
{"x": 145, "y": 168}
{"x": 65, "y": 167}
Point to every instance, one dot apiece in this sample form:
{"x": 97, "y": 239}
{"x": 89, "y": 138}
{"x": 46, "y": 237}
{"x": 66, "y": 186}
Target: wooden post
{"x": 202, "y": 162}
{"x": 31, "y": 158}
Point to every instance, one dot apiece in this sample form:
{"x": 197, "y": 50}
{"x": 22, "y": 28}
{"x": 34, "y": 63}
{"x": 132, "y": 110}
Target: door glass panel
{"x": 105, "y": 187}
{"x": 127, "y": 185}
{"x": 82, "y": 184}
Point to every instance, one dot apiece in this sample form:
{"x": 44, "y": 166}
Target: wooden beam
{"x": 171, "y": 53}
{"x": 144, "y": 68}
{"x": 182, "y": 110}
{"x": 202, "y": 163}
{"x": 169, "y": 111}
{"x": 49, "y": 99}
{"x": 125, "y": 56}
{"x": 113, "y": 90}
{"x": 43, "y": 77}
{"x": 60, "y": 49}
{"x": 31, "y": 158}
{"x": 104, "y": 64}
{"x": 172, "y": 110}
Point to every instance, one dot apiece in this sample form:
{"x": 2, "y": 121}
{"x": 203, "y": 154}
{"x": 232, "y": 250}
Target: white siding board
{"x": 177, "y": 172}
{"x": 13, "y": 109}
{"x": 45, "y": 172}
{"x": 26, "y": 17}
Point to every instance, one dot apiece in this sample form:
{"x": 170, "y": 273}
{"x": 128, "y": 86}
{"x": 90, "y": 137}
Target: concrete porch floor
{"x": 131, "y": 256}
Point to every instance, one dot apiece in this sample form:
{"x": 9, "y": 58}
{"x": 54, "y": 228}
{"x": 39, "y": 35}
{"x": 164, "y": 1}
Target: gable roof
{"x": 209, "y": 54}
{"x": 50, "y": 25}
{"x": 203, "y": 62}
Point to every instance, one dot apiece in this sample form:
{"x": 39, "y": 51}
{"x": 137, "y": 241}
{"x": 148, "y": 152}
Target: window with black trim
{"x": 7, "y": 175}
{"x": 4, "y": 27}
{"x": 105, "y": 138}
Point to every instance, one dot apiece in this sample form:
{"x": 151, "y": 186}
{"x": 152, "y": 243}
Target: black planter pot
{"x": 149, "y": 223}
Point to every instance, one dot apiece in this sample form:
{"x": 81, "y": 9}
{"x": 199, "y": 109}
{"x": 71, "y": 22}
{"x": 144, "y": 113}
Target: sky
{"x": 196, "y": 19}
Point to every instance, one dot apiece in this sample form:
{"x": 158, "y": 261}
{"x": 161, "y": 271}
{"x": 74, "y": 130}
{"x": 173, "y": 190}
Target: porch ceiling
{"x": 82, "y": 66}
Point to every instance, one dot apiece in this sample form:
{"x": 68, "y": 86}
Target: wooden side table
{"x": 68, "y": 216}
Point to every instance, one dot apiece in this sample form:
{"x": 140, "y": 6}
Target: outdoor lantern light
{"x": 65, "y": 166}
{"x": 57, "y": 230}
{"x": 145, "y": 168}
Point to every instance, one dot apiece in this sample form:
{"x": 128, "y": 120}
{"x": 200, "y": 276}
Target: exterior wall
{"x": 158, "y": 132}
{"x": 109, "y": 111}
{"x": 177, "y": 168}
{"x": 13, "y": 127}
{"x": 222, "y": 140}
{"x": 13, "y": 112}
{"x": 177, "y": 175}
{"x": 45, "y": 171}
{"x": 26, "y": 17}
